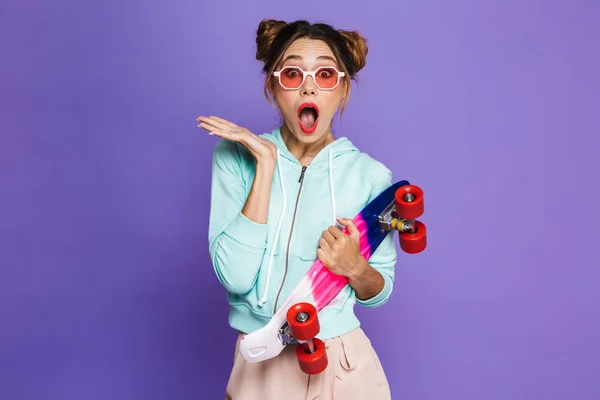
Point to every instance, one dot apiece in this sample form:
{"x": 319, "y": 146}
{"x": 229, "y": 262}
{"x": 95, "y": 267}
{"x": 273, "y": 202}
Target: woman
{"x": 277, "y": 199}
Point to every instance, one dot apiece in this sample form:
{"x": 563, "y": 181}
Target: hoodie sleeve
{"x": 236, "y": 243}
{"x": 384, "y": 258}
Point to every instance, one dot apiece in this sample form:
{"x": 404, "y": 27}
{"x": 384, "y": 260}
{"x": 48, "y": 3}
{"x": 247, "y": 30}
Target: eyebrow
{"x": 296, "y": 57}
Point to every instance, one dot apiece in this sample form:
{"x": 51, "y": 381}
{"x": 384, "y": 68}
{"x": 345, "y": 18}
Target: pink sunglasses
{"x": 292, "y": 77}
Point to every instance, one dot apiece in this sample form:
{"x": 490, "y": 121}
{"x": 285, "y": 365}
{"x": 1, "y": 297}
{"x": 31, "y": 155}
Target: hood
{"x": 340, "y": 147}
{"x": 337, "y": 150}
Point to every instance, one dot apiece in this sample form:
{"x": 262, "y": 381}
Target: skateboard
{"x": 395, "y": 209}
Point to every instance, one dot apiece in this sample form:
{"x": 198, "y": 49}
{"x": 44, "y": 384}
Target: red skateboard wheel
{"x": 303, "y": 321}
{"x": 315, "y": 362}
{"x": 409, "y": 201}
{"x": 414, "y": 242}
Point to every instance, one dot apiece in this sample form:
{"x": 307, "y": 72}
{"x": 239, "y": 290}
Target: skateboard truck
{"x": 401, "y": 214}
{"x": 284, "y": 334}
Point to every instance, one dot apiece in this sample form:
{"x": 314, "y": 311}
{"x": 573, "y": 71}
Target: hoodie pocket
{"x": 269, "y": 274}
{"x": 298, "y": 267}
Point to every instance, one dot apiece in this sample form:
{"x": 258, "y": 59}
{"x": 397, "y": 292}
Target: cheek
{"x": 285, "y": 101}
{"x": 332, "y": 101}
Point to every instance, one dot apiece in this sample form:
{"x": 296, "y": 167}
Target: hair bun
{"x": 357, "y": 47}
{"x": 267, "y": 31}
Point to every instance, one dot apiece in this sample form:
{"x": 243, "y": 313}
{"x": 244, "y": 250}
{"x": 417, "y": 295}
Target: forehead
{"x": 309, "y": 52}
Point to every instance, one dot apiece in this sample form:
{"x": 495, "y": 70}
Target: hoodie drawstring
{"x": 263, "y": 300}
{"x": 332, "y": 191}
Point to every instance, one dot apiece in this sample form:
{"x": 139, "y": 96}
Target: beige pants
{"x": 353, "y": 372}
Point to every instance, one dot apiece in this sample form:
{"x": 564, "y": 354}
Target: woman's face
{"x": 308, "y": 110}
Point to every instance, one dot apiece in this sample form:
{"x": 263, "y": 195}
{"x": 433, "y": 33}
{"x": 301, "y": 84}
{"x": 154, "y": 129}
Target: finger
{"x": 210, "y": 128}
{"x": 349, "y": 224}
{"x": 206, "y": 126}
{"x": 209, "y": 125}
{"x": 225, "y": 122}
{"x": 328, "y": 237}
{"x": 206, "y": 120}
{"x": 225, "y": 135}
{"x": 214, "y": 121}
{"x": 322, "y": 256}
{"x": 335, "y": 232}
{"x": 231, "y": 134}
{"x": 324, "y": 245}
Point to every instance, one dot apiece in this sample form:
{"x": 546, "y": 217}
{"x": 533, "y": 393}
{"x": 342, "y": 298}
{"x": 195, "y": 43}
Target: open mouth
{"x": 308, "y": 116}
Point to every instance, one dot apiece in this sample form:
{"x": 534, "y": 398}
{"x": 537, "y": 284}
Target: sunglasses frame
{"x": 312, "y": 74}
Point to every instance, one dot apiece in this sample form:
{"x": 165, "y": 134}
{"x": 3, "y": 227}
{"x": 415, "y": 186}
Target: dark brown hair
{"x": 273, "y": 37}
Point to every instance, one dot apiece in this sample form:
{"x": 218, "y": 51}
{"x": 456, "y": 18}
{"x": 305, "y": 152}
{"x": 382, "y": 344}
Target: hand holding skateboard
{"x": 340, "y": 251}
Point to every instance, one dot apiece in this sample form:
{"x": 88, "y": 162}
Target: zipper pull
{"x": 302, "y": 174}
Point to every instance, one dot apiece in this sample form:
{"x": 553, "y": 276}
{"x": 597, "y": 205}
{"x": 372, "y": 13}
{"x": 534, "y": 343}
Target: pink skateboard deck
{"x": 395, "y": 209}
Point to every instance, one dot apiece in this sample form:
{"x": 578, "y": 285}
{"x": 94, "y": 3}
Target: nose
{"x": 308, "y": 87}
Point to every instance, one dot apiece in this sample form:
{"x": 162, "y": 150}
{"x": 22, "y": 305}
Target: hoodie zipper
{"x": 287, "y": 256}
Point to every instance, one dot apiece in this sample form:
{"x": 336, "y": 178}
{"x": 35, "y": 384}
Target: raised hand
{"x": 262, "y": 149}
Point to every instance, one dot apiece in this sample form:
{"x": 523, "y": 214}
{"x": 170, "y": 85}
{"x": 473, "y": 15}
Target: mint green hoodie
{"x": 260, "y": 264}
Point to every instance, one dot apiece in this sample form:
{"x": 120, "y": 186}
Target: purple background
{"x": 106, "y": 287}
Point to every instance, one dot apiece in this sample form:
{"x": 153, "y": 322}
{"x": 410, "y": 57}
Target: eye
{"x": 326, "y": 72}
{"x": 293, "y": 72}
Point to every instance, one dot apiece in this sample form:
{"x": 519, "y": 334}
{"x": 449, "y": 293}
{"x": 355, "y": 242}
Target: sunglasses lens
{"x": 291, "y": 78}
{"x": 326, "y": 78}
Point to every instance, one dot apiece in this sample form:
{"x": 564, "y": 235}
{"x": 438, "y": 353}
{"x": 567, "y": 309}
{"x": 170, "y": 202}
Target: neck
{"x": 303, "y": 151}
